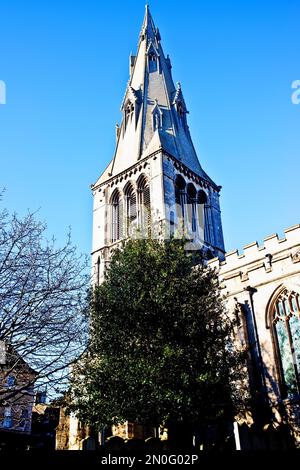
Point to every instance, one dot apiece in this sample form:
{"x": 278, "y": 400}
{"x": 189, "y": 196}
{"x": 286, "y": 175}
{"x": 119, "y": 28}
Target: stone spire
{"x": 154, "y": 110}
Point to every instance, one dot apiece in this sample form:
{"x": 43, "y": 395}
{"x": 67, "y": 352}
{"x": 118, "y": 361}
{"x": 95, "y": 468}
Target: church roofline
{"x": 272, "y": 244}
{"x": 179, "y": 165}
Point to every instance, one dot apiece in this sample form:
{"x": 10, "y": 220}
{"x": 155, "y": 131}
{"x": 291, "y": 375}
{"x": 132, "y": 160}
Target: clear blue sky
{"x": 65, "y": 65}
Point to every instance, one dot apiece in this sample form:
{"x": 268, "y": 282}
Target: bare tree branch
{"x": 43, "y": 292}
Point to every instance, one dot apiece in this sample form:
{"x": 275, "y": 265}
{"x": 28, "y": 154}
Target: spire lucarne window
{"x": 286, "y": 329}
{"x": 152, "y": 61}
{"x": 129, "y": 112}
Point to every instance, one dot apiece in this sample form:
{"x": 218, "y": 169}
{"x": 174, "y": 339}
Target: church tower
{"x": 154, "y": 184}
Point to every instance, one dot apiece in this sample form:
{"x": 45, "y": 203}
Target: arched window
{"x": 144, "y": 206}
{"x": 285, "y": 316}
{"x": 129, "y": 111}
{"x": 116, "y": 217}
{"x": 131, "y": 209}
{"x": 98, "y": 270}
{"x": 152, "y": 58}
{"x": 181, "y": 113}
{"x": 202, "y": 214}
{"x": 202, "y": 197}
{"x": 192, "y": 206}
{"x": 180, "y": 197}
{"x": 180, "y": 109}
{"x": 157, "y": 118}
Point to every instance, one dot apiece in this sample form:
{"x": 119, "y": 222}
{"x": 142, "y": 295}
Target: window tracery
{"x": 116, "y": 217}
{"x": 129, "y": 112}
{"x": 286, "y": 329}
{"x": 131, "y": 209}
{"x": 152, "y": 61}
{"x": 192, "y": 206}
{"x": 144, "y": 206}
{"x": 180, "y": 197}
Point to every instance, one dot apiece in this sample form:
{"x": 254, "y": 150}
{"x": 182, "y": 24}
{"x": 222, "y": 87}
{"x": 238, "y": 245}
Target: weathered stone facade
{"x": 71, "y": 434}
{"x": 255, "y": 283}
{"x": 155, "y": 180}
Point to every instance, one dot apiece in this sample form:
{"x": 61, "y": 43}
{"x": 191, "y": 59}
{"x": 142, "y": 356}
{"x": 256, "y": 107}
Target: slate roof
{"x": 151, "y": 86}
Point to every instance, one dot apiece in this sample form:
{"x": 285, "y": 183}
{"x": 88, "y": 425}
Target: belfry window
{"x": 286, "y": 328}
{"x": 180, "y": 197}
{"x": 192, "y": 206}
{"x": 144, "y": 207}
{"x": 202, "y": 215}
{"x": 116, "y": 217}
{"x": 131, "y": 209}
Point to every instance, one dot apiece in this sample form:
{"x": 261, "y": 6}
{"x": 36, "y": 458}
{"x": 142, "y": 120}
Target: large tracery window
{"x": 116, "y": 217}
{"x": 286, "y": 326}
{"x": 144, "y": 206}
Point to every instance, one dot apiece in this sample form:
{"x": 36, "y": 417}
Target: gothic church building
{"x": 153, "y": 183}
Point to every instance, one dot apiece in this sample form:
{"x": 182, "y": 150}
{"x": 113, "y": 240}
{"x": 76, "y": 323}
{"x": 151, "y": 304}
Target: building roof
{"x": 154, "y": 110}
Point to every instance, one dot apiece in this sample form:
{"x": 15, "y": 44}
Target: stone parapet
{"x": 252, "y": 253}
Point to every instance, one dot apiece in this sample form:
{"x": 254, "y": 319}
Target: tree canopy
{"x": 43, "y": 326}
{"x": 160, "y": 348}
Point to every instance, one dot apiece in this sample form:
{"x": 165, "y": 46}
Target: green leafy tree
{"x": 159, "y": 349}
